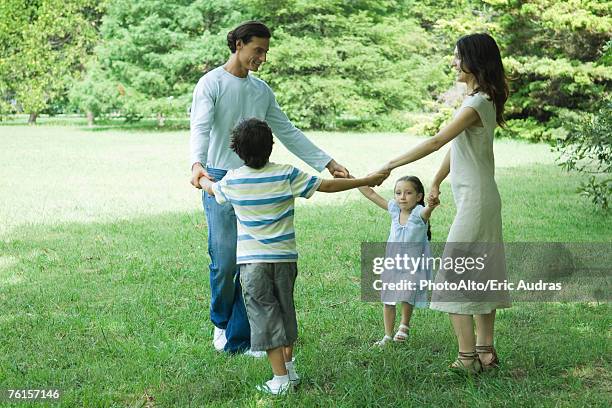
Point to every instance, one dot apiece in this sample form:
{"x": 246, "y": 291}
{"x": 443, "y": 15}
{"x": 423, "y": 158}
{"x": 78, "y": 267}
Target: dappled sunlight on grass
{"x": 7, "y": 261}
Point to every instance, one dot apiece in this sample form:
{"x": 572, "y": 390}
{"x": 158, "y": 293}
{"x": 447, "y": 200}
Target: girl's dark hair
{"x": 252, "y": 141}
{"x": 418, "y": 186}
{"x": 245, "y": 31}
{"x": 480, "y": 56}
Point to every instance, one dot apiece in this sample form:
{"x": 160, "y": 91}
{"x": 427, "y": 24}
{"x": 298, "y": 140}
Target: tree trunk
{"x": 90, "y": 118}
{"x": 160, "y": 119}
{"x": 32, "y": 118}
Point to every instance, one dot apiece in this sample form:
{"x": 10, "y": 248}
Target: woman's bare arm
{"x": 466, "y": 118}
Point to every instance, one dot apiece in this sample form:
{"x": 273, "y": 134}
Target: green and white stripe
{"x": 263, "y": 200}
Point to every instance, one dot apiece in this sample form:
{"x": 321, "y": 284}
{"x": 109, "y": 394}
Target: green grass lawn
{"x": 104, "y": 283}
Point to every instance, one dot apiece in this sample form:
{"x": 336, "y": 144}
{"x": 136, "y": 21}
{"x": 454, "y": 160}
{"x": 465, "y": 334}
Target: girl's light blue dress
{"x": 410, "y": 239}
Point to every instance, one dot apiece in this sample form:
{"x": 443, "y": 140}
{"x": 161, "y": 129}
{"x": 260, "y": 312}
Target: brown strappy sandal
{"x": 459, "y": 365}
{"x": 494, "y": 363}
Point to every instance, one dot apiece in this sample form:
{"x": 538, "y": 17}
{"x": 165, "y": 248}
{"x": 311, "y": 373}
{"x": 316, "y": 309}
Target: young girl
{"x": 409, "y": 229}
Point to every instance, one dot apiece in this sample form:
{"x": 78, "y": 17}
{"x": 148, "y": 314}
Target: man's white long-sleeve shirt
{"x": 221, "y": 100}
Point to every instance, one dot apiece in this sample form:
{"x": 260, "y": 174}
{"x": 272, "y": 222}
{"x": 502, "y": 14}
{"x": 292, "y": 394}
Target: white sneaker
{"x": 274, "y": 387}
{"x": 256, "y": 354}
{"x": 219, "y": 339}
{"x": 293, "y": 375}
{"x": 294, "y": 379}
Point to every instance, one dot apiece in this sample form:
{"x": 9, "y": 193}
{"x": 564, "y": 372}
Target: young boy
{"x": 262, "y": 195}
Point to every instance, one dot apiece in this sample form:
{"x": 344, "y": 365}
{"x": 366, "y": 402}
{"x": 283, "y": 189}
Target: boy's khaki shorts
{"x": 267, "y": 289}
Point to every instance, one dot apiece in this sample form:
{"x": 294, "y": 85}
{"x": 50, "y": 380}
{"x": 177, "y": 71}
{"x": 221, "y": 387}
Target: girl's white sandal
{"x": 384, "y": 341}
{"x": 402, "y": 334}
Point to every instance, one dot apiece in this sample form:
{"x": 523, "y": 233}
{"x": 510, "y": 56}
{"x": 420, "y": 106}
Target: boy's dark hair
{"x": 245, "y": 31}
{"x": 252, "y": 141}
{"x": 418, "y": 186}
{"x": 480, "y": 56}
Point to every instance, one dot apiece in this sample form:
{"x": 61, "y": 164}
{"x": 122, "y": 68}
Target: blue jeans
{"x": 227, "y": 310}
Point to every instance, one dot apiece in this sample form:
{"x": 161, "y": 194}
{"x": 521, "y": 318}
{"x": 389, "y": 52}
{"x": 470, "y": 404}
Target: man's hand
{"x": 337, "y": 170}
{"x": 197, "y": 172}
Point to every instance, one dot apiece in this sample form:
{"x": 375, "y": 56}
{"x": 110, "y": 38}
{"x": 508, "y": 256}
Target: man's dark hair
{"x": 252, "y": 141}
{"x": 245, "y": 31}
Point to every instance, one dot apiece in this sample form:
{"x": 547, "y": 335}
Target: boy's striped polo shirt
{"x": 263, "y": 200}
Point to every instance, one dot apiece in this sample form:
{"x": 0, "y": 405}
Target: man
{"x": 221, "y": 99}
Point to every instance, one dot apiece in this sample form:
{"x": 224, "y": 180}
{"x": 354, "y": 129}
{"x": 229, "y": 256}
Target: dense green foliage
{"x": 43, "y": 44}
{"x": 362, "y": 64}
{"x": 558, "y": 56}
{"x": 350, "y": 64}
{"x": 151, "y": 54}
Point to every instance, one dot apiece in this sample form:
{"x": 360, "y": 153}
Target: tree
{"x": 588, "y": 150}
{"x": 153, "y": 52}
{"x": 555, "y": 54}
{"x": 337, "y": 64}
{"x": 95, "y": 94}
{"x": 42, "y": 45}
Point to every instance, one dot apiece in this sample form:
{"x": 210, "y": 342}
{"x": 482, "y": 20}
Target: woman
{"x": 470, "y": 162}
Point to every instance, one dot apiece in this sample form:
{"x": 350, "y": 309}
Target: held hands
{"x": 198, "y": 172}
{"x": 432, "y": 202}
{"x": 383, "y": 172}
{"x": 434, "y": 191}
{"x": 376, "y": 179}
{"x": 387, "y": 168}
{"x": 337, "y": 170}
{"x": 433, "y": 199}
{"x": 206, "y": 185}
{"x": 373, "y": 179}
